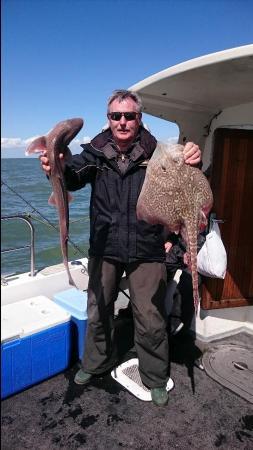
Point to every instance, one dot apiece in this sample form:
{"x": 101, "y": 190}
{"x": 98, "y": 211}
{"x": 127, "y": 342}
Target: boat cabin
{"x": 210, "y": 98}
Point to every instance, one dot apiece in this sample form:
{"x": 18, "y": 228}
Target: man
{"x": 114, "y": 163}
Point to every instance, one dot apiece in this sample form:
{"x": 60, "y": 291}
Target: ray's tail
{"x": 190, "y": 235}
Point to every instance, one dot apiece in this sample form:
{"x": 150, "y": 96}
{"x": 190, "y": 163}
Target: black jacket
{"x": 115, "y": 231}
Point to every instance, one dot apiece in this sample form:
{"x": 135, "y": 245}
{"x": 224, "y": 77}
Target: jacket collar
{"x": 145, "y": 145}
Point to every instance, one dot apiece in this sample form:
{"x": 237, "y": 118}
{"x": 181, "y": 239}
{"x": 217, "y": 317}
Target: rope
{"x": 51, "y": 224}
{"x": 41, "y": 215}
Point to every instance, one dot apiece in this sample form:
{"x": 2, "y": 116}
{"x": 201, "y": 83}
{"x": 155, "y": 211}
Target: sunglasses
{"x": 128, "y": 115}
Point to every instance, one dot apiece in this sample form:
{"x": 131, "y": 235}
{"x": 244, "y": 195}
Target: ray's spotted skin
{"x": 54, "y": 143}
{"x": 177, "y": 196}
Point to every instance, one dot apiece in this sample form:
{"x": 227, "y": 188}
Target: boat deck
{"x": 201, "y": 413}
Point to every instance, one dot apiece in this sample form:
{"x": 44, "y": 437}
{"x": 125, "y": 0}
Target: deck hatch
{"x": 232, "y": 367}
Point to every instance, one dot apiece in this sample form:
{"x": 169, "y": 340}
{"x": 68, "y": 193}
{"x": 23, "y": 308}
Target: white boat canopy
{"x": 199, "y": 89}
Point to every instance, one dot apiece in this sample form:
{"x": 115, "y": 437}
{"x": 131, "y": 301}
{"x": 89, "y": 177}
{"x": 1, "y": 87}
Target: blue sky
{"x": 63, "y": 58}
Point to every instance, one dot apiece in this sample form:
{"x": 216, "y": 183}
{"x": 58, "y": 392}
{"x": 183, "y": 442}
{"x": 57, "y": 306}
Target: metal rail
{"x": 31, "y": 245}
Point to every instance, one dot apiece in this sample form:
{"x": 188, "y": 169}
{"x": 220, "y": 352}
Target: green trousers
{"x": 147, "y": 286}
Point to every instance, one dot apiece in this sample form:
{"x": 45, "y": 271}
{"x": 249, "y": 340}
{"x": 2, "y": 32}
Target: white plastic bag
{"x": 212, "y": 257}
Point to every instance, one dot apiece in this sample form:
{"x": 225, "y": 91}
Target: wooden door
{"x": 232, "y": 186}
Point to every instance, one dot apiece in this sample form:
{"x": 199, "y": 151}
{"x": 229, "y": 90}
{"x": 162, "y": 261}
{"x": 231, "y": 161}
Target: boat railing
{"x": 30, "y": 245}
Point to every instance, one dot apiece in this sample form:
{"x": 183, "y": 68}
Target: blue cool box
{"x": 35, "y": 343}
{"x": 75, "y": 302}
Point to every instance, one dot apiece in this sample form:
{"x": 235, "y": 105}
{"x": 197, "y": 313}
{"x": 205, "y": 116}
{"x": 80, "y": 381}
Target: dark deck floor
{"x": 201, "y": 414}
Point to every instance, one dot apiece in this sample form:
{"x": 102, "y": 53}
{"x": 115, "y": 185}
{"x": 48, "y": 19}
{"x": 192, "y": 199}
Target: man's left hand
{"x": 192, "y": 154}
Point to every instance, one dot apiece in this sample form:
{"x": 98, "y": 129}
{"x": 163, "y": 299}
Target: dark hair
{"x": 122, "y": 94}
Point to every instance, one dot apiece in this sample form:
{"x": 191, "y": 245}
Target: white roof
{"x": 201, "y": 86}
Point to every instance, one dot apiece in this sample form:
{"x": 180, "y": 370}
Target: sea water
{"x": 28, "y": 193}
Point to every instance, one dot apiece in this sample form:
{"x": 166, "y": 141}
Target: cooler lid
{"x": 74, "y": 301}
{"x": 30, "y": 316}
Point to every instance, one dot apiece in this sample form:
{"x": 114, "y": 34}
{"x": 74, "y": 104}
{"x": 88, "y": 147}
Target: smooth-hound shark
{"x": 54, "y": 143}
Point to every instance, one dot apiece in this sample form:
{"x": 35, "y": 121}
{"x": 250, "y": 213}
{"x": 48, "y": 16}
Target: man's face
{"x": 124, "y": 131}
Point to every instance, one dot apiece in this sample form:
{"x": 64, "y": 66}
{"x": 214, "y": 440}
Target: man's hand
{"x": 45, "y": 162}
{"x": 168, "y": 245}
{"x": 192, "y": 154}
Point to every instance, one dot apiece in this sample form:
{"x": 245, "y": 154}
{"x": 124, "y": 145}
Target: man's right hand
{"x": 45, "y": 165}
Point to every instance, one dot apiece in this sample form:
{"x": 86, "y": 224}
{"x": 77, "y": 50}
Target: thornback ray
{"x": 54, "y": 143}
{"x": 177, "y": 196}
